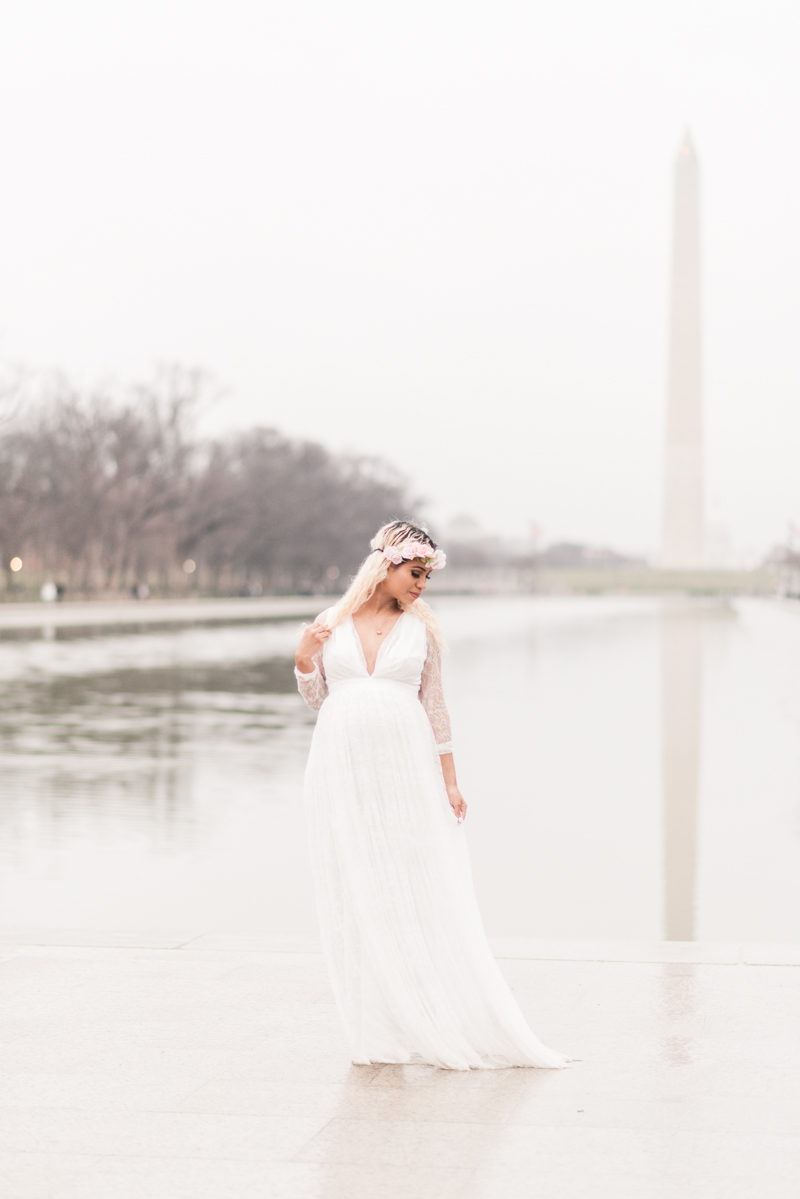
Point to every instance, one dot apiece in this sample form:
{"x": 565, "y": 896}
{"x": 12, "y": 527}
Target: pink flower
{"x": 433, "y": 559}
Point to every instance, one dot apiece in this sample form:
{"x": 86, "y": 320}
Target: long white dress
{"x": 413, "y": 975}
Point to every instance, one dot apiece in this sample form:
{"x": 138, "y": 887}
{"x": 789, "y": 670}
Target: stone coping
{"x": 687, "y": 952}
{"x": 89, "y": 614}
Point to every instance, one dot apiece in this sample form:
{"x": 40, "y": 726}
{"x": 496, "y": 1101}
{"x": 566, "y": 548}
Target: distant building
{"x": 464, "y": 528}
{"x": 784, "y": 561}
{"x": 573, "y": 555}
{"x": 718, "y": 550}
{"x": 682, "y": 546}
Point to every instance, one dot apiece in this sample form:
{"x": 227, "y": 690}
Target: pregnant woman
{"x": 412, "y": 973}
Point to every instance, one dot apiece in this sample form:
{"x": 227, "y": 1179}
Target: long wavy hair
{"x": 374, "y": 569}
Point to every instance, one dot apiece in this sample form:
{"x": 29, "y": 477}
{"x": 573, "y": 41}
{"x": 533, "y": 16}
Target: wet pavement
{"x": 217, "y": 1069}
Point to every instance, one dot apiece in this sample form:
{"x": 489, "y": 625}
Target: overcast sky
{"x": 435, "y": 231}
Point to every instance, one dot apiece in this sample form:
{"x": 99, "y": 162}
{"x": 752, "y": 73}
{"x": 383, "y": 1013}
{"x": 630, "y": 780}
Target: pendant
{"x": 379, "y": 631}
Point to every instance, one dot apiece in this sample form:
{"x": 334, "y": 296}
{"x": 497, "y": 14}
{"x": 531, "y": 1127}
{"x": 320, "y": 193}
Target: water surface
{"x": 632, "y": 768}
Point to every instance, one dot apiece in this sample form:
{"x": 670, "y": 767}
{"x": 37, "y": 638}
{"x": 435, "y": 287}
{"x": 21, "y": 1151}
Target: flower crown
{"x": 433, "y": 559}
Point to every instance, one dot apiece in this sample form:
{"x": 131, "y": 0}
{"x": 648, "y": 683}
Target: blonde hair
{"x": 374, "y": 569}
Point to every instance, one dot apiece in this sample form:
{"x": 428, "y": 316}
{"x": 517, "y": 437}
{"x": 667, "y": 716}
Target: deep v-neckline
{"x": 381, "y": 647}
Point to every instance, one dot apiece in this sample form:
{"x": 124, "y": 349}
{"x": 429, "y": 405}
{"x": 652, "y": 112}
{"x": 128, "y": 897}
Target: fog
{"x": 438, "y": 232}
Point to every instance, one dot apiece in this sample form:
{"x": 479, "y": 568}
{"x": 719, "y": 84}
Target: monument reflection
{"x": 681, "y": 725}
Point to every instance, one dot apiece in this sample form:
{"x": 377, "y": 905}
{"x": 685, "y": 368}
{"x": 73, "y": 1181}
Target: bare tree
{"x": 110, "y": 488}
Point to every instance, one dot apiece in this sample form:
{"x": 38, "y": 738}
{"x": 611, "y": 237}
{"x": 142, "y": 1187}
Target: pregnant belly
{"x": 371, "y": 712}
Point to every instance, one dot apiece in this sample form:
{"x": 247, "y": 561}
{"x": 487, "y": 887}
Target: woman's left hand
{"x": 457, "y": 803}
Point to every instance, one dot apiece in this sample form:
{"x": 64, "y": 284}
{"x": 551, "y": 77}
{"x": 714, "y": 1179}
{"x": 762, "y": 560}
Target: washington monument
{"x": 682, "y": 538}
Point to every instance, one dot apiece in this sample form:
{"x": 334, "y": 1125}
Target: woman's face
{"x": 407, "y": 581}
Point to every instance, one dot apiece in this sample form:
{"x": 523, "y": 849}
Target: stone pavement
{"x": 212, "y": 1067}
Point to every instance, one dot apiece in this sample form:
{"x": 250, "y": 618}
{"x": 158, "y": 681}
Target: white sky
{"x": 437, "y": 231}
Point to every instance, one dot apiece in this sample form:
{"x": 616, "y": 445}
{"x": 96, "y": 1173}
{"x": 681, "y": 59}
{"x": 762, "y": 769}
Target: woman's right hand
{"x": 314, "y": 637}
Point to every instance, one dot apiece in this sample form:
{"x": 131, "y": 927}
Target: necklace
{"x": 372, "y": 622}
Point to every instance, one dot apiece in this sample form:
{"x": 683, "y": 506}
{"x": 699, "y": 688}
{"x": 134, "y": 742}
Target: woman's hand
{"x": 314, "y": 637}
{"x": 457, "y": 802}
{"x": 453, "y": 794}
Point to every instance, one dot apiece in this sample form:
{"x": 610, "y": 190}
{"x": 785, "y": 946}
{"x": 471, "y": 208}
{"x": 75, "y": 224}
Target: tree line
{"x": 113, "y": 491}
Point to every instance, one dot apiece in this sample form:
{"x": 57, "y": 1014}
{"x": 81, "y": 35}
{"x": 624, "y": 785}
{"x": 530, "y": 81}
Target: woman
{"x": 412, "y": 973}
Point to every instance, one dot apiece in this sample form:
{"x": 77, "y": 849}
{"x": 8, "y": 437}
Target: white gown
{"x": 413, "y": 975}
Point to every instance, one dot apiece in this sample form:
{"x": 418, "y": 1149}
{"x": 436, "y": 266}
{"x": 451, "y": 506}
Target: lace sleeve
{"x": 314, "y": 686}
{"x": 432, "y": 698}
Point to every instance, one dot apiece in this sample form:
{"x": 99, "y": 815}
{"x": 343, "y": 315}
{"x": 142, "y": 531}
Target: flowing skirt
{"x": 413, "y": 975}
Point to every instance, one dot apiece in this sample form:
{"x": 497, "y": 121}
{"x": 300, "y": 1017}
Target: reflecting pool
{"x": 632, "y": 768}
